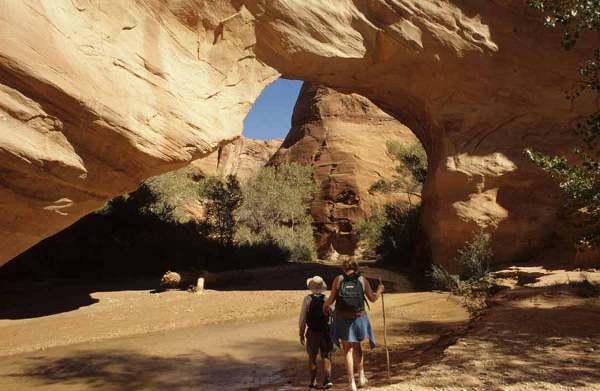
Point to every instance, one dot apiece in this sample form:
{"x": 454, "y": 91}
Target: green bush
{"x": 474, "y": 283}
{"x": 390, "y": 232}
{"x": 474, "y": 259}
{"x": 413, "y": 159}
{"x": 275, "y": 208}
{"x": 410, "y": 171}
{"x": 168, "y": 194}
{"x": 370, "y": 231}
{"x": 442, "y": 280}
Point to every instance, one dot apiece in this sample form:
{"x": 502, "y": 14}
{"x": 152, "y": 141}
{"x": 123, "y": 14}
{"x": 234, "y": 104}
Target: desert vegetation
{"x": 410, "y": 170}
{"x": 390, "y": 231}
{"x": 578, "y": 176}
{"x": 473, "y": 282}
{"x": 275, "y": 210}
{"x": 183, "y": 221}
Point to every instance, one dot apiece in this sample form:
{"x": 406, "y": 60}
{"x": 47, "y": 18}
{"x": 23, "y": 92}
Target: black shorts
{"x": 317, "y": 341}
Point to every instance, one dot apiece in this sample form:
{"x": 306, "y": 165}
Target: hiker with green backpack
{"x": 349, "y": 292}
{"x": 315, "y": 331}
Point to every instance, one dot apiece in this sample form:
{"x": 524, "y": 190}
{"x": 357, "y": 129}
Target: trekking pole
{"x": 387, "y": 352}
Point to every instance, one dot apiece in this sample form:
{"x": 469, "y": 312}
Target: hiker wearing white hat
{"x": 315, "y": 332}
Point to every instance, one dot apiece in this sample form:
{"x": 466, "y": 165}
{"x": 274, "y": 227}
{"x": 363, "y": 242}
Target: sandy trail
{"x": 243, "y": 337}
{"x": 542, "y": 336}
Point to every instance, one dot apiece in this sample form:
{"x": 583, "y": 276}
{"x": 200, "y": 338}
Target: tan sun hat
{"x": 316, "y": 284}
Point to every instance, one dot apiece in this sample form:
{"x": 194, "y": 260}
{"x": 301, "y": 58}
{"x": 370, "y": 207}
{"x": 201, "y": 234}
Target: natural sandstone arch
{"x": 97, "y": 96}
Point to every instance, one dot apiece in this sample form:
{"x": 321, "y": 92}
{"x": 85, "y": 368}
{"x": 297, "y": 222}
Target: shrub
{"x": 410, "y": 172}
{"x": 474, "y": 283}
{"x": 390, "y": 232}
{"x": 413, "y": 159}
{"x": 275, "y": 209}
{"x": 150, "y": 230}
{"x": 442, "y": 280}
{"x": 370, "y": 231}
{"x": 474, "y": 259}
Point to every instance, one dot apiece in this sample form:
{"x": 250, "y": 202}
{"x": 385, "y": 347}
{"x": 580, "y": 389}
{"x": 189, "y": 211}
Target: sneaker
{"x": 327, "y": 383}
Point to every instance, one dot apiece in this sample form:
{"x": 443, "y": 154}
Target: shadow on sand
{"x": 26, "y": 299}
{"x": 22, "y": 299}
{"x": 123, "y": 369}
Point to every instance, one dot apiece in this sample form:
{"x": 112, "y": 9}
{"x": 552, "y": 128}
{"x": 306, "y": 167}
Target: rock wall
{"x": 96, "y": 96}
{"x": 343, "y": 136}
{"x": 242, "y": 157}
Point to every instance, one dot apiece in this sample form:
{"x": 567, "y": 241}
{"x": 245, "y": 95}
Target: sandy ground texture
{"x": 241, "y": 337}
{"x": 541, "y": 335}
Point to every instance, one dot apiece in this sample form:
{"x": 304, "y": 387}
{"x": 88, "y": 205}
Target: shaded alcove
{"x": 124, "y": 245}
{"x": 118, "y": 242}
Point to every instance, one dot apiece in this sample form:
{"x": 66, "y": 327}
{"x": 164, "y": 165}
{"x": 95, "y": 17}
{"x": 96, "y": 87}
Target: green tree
{"x": 390, "y": 232}
{"x": 169, "y": 192}
{"x": 221, "y": 200}
{"x": 580, "y": 180}
{"x": 409, "y": 173}
{"x": 276, "y": 208}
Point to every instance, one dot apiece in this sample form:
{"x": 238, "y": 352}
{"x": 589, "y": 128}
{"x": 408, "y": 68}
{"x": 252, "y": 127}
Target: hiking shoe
{"x": 327, "y": 383}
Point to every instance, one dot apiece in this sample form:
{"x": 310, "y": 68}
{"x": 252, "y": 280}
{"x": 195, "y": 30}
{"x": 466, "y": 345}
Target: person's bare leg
{"x": 348, "y": 354}
{"x": 359, "y": 363}
{"x": 312, "y": 367}
{"x": 326, "y": 365}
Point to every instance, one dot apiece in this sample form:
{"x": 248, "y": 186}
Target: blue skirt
{"x": 352, "y": 330}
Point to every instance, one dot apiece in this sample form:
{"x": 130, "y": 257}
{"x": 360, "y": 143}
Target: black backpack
{"x": 316, "y": 319}
{"x": 350, "y": 295}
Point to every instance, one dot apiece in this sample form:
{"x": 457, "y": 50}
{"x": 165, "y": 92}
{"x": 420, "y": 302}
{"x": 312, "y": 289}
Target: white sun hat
{"x": 316, "y": 284}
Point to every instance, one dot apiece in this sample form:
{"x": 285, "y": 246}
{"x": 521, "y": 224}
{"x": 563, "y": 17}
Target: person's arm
{"x": 331, "y": 299}
{"x": 372, "y": 296}
{"x": 302, "y": 320}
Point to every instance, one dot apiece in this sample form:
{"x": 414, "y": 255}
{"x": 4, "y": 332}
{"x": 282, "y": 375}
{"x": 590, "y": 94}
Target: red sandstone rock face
{"x": 343, "y": 137}
{"x": 97, "y": 96}
{"x": 242, "y": 157}
{"x": 476, "y": 81}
